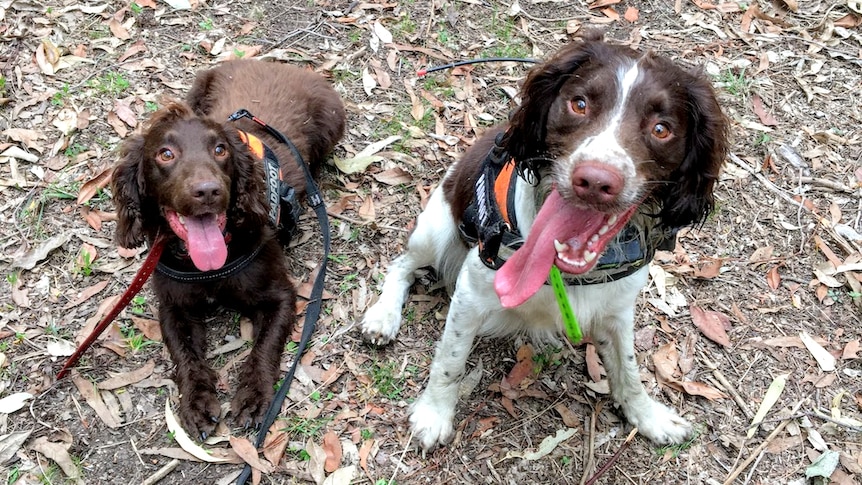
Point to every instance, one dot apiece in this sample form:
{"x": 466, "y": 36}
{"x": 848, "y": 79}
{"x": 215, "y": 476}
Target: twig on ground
{"x": 161, "y": 472}
{"x": 365, "y": 223}
{"x": 401, "y": 459}
{"x": 608, "y": 464}
{"x": 589, "y": 452}
{"x": 826, "y": 183}
{"x": 762, "y": 446}
{"x": 727, "y": 386}
{"x": 137, "y": 453}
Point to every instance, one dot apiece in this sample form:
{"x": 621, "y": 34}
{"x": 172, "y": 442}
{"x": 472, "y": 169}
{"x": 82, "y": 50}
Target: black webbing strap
{"x": 312, "y": 311}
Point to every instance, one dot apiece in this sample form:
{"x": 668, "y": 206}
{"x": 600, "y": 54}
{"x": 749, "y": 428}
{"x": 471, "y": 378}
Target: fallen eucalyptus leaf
{"x": 546, "y": 446}
{"x": 14, "y": 402}
{"x": 183, "y": 439}
{"x": 824, "y": 359}
{"x": 769, "y": 400}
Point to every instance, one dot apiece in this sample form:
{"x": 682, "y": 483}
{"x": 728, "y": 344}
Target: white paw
{"x": 431, "y": 422}
{"x": 660, "y": 423}
{"x": 381, "y": 323}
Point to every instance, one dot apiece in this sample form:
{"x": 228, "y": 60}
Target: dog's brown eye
{"x": 579, "y": 106}
{"x": 220, "y": 150}
{"x": 660, "y": 131}
{"x": 166, "y": 155}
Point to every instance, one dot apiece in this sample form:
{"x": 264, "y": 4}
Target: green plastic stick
{"x": 573, "y": 329}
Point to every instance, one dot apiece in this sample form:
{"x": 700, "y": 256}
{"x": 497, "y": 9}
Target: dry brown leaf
{"x": 112, "y": 338}
{"x": 765, "y": 118}
{"x": 59, "y": 453}
{"x": 332, "y": 448}
{"x": 94, "y": 399}
{"x": 117, "y": 124}
{"x": 364, "y": 451}
{"x": 773, "y": 279}
{"x": 125, "y": 113}
{"x": 124, "y": 379}
{"x": 761, "y": 254}
{"x": 275, "y": 443}
{"x": 136, "y": 48}
{"x": 666, "y": 362}
{"x": 714, "y": 325}
{"x": 86, "y": 255}
{"x": 248, "y": 453}
{"x": 86, "y": 294}
{"x": 93, "y": 218}
{"x": 849, "y": 21}
{"x": 394, "y": 176}
{"x": 117, "y": 29}
{"x": 703, "y": 390}
{"x": 594, "y": 366}
{"x": 710, "y": 269}
{"x": 851, "y": 350}
{"x": 366, "y": 210}
{"x": 150, "y": 328}
{"x": 27, "y": 137}
{"x": 602, "y": 3}
{"x": 20, "y": 296}
{"x": 92, "y": 186}
{"x": 631, "y": 14}
{"x": 610, "y": 13}
{"x": 786, "y": 341}
{"x": 570, "y": 418}
{"x": 704, "y": 5}
{"x": 483, "y": 425}
{"x": 522, "y": 369}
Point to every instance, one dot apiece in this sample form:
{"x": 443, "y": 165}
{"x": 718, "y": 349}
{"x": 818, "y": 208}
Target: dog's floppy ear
{"x": 528, "y": 125}
{"x": 689, "y": 200}
{"x": 249, "y": 204}
{"x": 127, "y": 185}
{"x": 137, "y": 211}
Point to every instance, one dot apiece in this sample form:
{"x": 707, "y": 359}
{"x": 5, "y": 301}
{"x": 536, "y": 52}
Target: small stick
{"x": 728, "y": 386}
{"x": 778, "y": 429}
{"x": 161, "y": 473}
{"x": 608, "y": 464}
{"x": 590, "y": 459}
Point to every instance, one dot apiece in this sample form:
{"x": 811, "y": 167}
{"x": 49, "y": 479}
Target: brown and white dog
{"x": 613, "y": 150}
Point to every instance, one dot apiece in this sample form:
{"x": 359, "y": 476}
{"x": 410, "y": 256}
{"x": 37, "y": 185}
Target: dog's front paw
{"x": 661, "y": 424}
{"x": 251, "y": 401}
{"x": 199, "y": 412}
{"x": 381, "y": 323}
{"x": 431, "y": 423}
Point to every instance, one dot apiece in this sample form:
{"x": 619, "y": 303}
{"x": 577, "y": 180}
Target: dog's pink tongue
{"x": 527, "y": 269}
{"x": 205, "y": 242}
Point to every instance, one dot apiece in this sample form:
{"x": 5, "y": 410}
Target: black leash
{"x": 312, "y": 311}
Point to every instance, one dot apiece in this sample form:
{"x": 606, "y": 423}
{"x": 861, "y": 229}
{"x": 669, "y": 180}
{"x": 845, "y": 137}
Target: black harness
{"x": 283, "y": 215}
{"x": 490, "y": 223}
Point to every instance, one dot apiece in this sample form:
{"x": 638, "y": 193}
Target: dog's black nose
{"x": 207, "y": 191}
{"x": 596, "y": 181}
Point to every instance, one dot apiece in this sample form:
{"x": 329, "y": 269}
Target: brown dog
{"x": 190, "y": 177}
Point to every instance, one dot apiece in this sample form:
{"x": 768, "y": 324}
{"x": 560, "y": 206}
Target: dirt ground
{"x": 725, "y": 315}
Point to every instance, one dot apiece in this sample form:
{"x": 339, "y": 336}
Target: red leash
{"x": 136, "y": 285}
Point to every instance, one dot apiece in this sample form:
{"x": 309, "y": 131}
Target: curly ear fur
{"x": 689, "y": 200}
{"x": 127, "y": 185}
{"x": 528, "y": 126}
{"x": 249, "y": 206}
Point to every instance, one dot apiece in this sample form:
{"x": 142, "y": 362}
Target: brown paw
{"x": 199, "y": 412}
{"x": 250, "y": 403}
